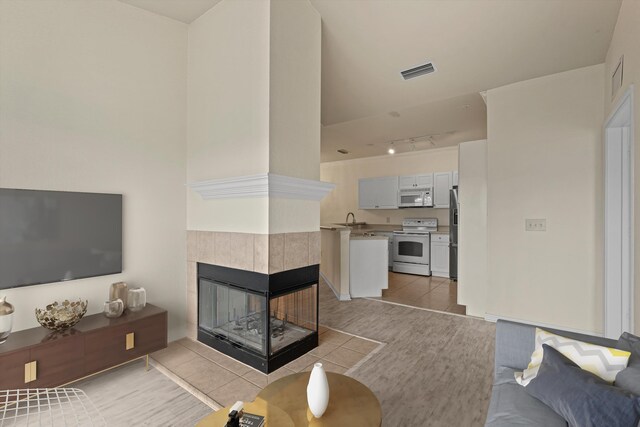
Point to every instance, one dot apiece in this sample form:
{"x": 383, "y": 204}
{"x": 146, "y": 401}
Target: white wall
{"x": 229, "y": 91}
{"x": 94, "y": 99}
{"x": 625, "y": 41}
{"x": 545, "y": 161}
{"x": 294, "y": 89}
{"x": 294, "y": 109}
{"x": 228, "y": 112}
{"x": 249, "y": 113}
{"x": 472, "y": 230}
{"x": 346, "y": 173}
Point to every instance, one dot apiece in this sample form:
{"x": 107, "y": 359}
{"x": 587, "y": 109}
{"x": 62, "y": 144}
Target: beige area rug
{"x": 131, "y": 396}
{"x": 436, "y": 369}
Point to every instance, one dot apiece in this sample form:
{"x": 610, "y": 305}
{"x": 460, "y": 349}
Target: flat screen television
{"x": 53, "y": 236}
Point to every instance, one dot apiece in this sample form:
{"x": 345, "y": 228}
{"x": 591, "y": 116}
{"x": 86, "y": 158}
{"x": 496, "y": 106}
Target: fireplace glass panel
{"x": 233, "y": 314}
{"x": 293, "y": 317}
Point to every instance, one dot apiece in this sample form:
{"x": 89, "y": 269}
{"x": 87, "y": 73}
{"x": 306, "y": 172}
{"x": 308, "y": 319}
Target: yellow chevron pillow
{"x": 604, "y": 362}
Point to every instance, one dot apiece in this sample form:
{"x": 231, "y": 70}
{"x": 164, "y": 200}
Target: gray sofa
{"x": 510, "y": 405}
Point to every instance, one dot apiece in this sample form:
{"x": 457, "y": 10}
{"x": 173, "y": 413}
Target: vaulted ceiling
{"x": 475, "y": 45}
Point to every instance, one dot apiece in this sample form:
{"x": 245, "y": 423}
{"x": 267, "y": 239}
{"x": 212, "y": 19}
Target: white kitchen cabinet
{"x": 378, "y": 193}
{"x": 407, "y": 182}
{"x": 443, "y": 181}
{"x": 388, "y": 235}
{"x": 368, "y": 272}
{"x": 414, "y": 182}
{"x": 440, "y": 255}
{"x": 424, "y": 180}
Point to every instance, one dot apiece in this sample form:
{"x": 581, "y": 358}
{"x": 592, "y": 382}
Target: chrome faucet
{"x": 352, "y": 216}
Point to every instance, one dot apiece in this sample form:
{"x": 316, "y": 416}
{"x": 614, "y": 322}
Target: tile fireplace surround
{"x": 261, "y": 253}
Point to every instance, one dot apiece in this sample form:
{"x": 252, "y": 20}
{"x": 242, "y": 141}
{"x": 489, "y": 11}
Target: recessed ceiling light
{"x": 391, "y": 149}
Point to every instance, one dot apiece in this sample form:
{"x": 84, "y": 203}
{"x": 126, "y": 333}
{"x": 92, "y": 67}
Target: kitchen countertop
{"x": 444, "y": 229}
{"x": 333, "y": 227}
{"x": 380, "y": 228}
{"x": 361, "y": 237}
{"x": 387, "y": 228}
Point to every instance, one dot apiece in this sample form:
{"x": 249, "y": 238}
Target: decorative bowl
{"x": 61, "y": 316}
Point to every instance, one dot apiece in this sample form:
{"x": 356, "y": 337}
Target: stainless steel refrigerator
{"x": 453, "y": 233}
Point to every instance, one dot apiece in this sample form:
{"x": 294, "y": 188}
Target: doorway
{"x": 619, "y": 190}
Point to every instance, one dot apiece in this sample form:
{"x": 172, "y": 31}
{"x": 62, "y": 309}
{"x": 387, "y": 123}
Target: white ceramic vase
{"x": 6, "y": 319}
{"x": 318, "y": 391}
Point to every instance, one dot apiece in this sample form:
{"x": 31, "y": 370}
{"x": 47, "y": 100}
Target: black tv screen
{"x": 53, "y": 236}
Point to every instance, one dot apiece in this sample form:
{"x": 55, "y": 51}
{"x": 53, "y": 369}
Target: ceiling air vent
{"x": 343, "y": 151}
{"x": 418, "y": 71}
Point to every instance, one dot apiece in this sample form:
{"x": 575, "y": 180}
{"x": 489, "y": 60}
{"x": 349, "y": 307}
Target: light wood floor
{"x": 436, "y": 369}
{"x": 434, "y": 293}
{"x": 132, "y": 396}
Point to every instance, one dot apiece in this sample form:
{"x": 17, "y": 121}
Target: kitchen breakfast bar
{"x": 354, "y": 263}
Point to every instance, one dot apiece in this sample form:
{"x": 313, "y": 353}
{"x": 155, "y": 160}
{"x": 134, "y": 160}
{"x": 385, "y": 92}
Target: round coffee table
{"x": 351, "y": 403}
{"x": 273, "y": 416}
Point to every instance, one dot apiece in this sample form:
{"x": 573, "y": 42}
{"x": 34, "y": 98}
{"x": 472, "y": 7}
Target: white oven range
{"x": 411, "y": 246}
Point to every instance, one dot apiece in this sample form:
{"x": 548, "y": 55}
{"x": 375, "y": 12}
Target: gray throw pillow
{"x": 629, "y": 378}
{"x": 630, "y": 342}
{"x": 580, "y": 397}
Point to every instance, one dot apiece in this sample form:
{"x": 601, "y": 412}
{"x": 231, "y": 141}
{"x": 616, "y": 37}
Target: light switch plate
{"x": 535, "y": 224}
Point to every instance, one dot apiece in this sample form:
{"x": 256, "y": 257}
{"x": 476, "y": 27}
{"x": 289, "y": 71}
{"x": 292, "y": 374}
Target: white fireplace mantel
{"x": 262, "y": 185}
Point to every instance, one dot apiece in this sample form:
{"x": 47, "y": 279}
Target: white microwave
{"x": 415, "y": 198}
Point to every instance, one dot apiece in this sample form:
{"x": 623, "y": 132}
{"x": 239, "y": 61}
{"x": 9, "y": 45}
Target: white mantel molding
{"x": 262, "y": 185}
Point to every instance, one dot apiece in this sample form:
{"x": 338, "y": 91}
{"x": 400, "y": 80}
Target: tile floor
{"x": 435, "y": 293}
{"x": 226, "y": 380}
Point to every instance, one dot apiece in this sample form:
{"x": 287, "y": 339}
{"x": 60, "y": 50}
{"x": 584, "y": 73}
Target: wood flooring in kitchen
{"x": 434, "y": 293}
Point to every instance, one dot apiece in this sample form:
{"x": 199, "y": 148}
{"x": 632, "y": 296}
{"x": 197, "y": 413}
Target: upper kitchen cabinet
{"x": 443, "y": 183}
{"x": 378, "y": 193}
{"x": 415, "y": 182}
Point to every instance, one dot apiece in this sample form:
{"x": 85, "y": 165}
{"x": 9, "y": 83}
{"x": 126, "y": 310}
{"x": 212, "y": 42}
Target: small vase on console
{"x": 113, "y": 309}
{"x": 6, "y": 319}
{"x": 120, "y": 291}
{"x": 137, "y": 299}
{"x": 318, "y": 391}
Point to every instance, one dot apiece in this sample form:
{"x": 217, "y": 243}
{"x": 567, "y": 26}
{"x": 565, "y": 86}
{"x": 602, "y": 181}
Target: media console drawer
{"x": 13, "y": 366}
{"x": 121, "y": 343}
{"x": 57, "y": 362}
{"x": 38, "y": 357}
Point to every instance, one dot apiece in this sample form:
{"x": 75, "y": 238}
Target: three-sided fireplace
{"x": 263, "y": 320}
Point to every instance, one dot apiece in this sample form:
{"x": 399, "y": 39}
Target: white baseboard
{"x": 444, "y": 274}
{"x": 336, "y": 293}
{"x": 494, "y": 318}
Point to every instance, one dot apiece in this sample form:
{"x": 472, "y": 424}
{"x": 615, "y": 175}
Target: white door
{"x": 378, "y": 193}
{"x": 442, "y": 185}
{"x": 387, "y": 194}
{"x": 618, "y": 257}
{"x": 366, "y": 193}
{"x": 411, "y": 248}
{"x": 424, "y": 180}
{"x": 407, "y": 182}
{"x": 440, "y": 258}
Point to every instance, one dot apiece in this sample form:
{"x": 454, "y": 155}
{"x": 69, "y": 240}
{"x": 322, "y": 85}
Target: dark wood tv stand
{"x": 39, "y": 358}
